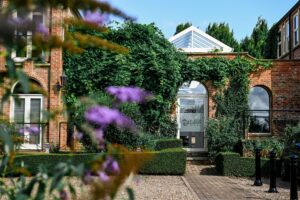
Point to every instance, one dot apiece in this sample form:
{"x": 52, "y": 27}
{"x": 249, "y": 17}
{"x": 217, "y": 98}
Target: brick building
{"x": 45, "y": 71}
{"x": 288, "y": 34}
{"x": 273, "y": 89}
{"x": 274, "y": 93}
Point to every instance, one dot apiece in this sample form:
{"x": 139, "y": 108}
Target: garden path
{"x": 202, "y": 179}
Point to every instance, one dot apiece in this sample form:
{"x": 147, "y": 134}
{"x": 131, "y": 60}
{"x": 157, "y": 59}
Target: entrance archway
{"x": 192, "y": 115}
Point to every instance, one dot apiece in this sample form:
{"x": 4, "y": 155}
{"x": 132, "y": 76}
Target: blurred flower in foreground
{"x": 111, "y": 166}
{"x": 94, "y": 17}
{"x": 42, "y": 29}
{"x": 31, "y": 130}
{"x": 103, "y": 116}
{"x": 129, "y": 94}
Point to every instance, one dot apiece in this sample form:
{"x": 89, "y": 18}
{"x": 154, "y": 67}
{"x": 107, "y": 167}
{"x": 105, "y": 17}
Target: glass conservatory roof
{"x": 193, "y": 39}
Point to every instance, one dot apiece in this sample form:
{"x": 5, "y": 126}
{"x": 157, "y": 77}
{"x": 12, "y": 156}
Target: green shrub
{"x": 167, "y": 143}
{"x": 266, "y": 145}
{"x": 221, "y": 135}
{"x": 167, "y": 162}
{"x": 231, "y": 164}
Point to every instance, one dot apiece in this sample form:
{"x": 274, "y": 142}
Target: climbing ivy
{"x": 154, "y": 64}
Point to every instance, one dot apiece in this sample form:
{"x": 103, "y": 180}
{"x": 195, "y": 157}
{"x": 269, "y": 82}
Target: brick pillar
{"x": 55, "y": 73}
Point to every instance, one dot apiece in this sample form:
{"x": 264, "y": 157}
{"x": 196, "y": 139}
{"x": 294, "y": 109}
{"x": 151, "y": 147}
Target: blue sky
{"x": 241, "y": 15}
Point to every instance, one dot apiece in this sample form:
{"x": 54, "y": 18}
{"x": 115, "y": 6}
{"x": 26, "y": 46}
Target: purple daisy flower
{"x": 111, "y": 166}
{"x": 129, "y": 94}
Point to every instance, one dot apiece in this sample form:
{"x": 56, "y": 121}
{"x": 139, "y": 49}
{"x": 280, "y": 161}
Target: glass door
{"x": 191, "y": 122}
{"x": 27, "y": 115}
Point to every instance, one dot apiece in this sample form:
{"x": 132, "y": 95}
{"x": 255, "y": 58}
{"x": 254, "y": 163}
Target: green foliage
{"x": 271, "y": 43}
{"x": 153, "y": 64}
{"x": 221, "y": 135}
{"x": 292, "y": 135}
{"x": 182, "y": 27}
{"x": 231, "y": 164}
{"x": 222, "y": 32}
{"x": 266, "y": 145}
{"x": 166, "y": 162}
{"x": 256, "y": 44}
{"x": 167, "y": 144}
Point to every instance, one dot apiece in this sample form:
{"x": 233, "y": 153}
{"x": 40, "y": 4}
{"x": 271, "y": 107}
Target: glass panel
{"x": 35, "y": 110}
{"x": 259, "y": 104}
{"x": 192, "y": 122}
{"x": 35, "y": 119}
{"x": 19, "y": 112}
{"x": 21, "y": 44}
{"x": 193, "y": 87}
{"x": 19, "y": 115}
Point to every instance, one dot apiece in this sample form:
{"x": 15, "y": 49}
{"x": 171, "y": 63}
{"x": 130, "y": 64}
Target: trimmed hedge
{"x": 232, "y": 164}
{"x": 167, "y": 162}
{"x": 167, "y": 144}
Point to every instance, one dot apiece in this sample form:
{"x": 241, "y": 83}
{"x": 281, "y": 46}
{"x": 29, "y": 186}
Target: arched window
{"x": 26, "y": 113}
{"x": 259, "y": 104}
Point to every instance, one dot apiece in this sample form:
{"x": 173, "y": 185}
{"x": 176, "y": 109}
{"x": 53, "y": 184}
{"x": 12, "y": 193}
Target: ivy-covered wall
{"x": 154, "y": 64}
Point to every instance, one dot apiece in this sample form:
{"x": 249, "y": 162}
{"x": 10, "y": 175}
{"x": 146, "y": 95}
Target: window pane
{"x": 35, "y": 110}
{"x": 19, "y": 110}
{"x": 193, "y": 87}
{"x": 259, "y": 114}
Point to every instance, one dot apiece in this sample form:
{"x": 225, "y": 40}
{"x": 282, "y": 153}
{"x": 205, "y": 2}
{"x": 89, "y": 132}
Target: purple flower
{"x": 87, "y": 178}
{"x": 78, "y": 135}
{"x": 104, "y": 116}
{"x": 18, "y": 22}
{"x": 94, "y": 17}
{"x": 21, "y": 131}
{"x": 99, "y": 135}
{"x": 129, "y": 94}
{"x": 42, "y": 29}
{"x": 103, "y": 176}
{"x": 111, "y": 166}
{"x": 63, "y": 195}
{"x": 34, "y": 130}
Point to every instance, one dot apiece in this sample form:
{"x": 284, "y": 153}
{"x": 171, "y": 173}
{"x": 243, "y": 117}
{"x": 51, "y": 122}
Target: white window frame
{"x": 296, "y": 29}
{"x": 279, "y": 44}
{"x": 28, "y": 37}
{"x": 204, "y": 97}
{"x": 287, "y": 36}
{"x": 27, "y": 98}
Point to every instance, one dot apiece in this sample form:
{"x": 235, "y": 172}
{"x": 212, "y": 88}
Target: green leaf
{"x": 130, "y": 193}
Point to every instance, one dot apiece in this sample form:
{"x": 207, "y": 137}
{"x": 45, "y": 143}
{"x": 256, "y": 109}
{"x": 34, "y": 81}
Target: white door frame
{"x": 205, "y": 100}
{"x": 27, "y": 98}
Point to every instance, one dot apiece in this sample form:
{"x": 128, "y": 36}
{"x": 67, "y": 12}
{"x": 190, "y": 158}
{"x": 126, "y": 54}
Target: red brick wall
{"x": 282, "y": 80}
{"x": 41, "y": 74}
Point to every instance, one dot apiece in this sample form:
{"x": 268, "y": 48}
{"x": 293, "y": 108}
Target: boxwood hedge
{"x": 165, "y": 162}
{"x": 232, "y": 164}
